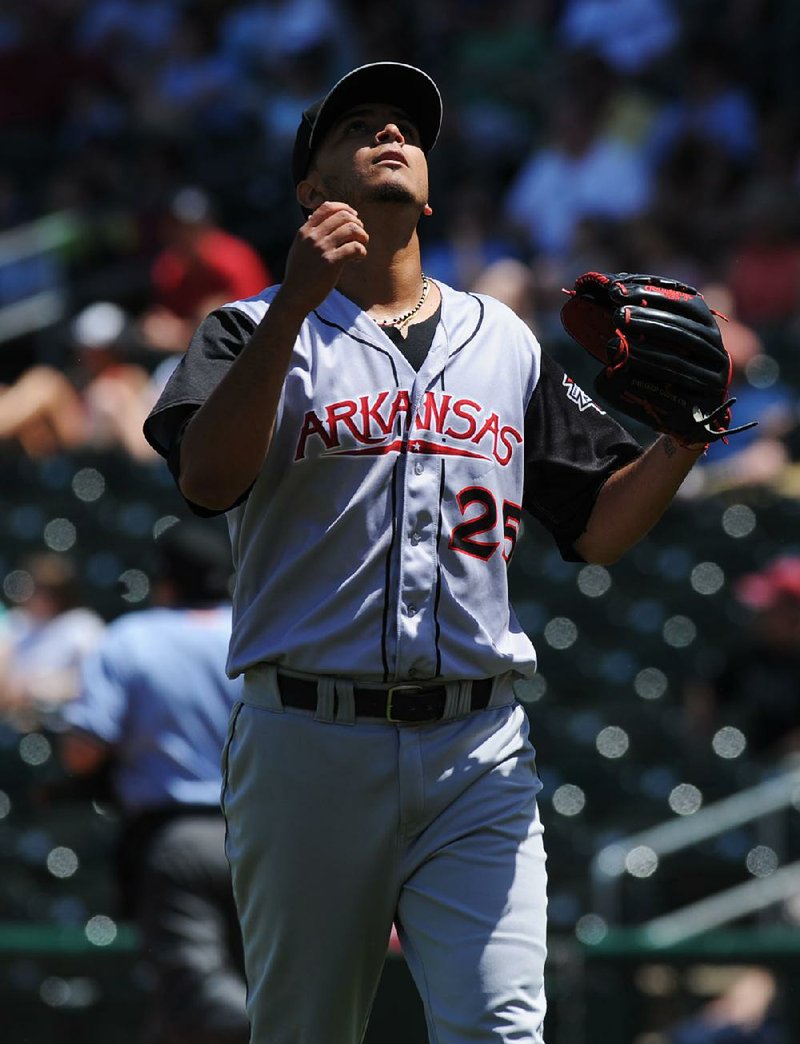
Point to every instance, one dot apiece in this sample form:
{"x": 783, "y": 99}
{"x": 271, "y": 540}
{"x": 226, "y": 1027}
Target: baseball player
{"x": 374, "y": 437}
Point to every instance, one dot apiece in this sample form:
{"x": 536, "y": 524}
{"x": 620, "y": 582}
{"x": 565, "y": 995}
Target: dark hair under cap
{"x": 196, "y": 558}
{"x": 392, "y": 83}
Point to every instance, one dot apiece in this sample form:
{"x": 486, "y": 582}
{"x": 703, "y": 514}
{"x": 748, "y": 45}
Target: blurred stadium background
{"x": 673, "y": 845}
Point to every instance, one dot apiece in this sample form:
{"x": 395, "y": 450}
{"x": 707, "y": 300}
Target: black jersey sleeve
{"x": 214, "y": 346}
{"x": 571, "y": 448}
{"x": 216, "y": 343}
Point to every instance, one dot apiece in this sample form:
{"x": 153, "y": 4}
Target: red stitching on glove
{"x": 624, "y": 348}
{"x": 628, "y": 396}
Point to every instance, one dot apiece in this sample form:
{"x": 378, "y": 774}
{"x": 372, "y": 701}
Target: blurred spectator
{"x": 293, "y": 84}
{"x": 711, "y": 106}
{"x": 199, "y": 268}
{"x": 154, "y": 707}
{"x": 579, "y": 172}
{"x": 776, "y": 166}
{"x": 44, "y": 637}
{"x": 38, "y": 67}
{"x": 94, "y": 112}
{"x": 597, "y": 246}
{"x": 510, "y": 281}
{"x": 629, "y": 34}
{"x": 745, "y": 1013}
{"x": 758, "y": 687}
{"x": 193, "y": 88}
{"x": 128, "y": 33}
{"x": 260, "y": 34}
{"x": 99, "y": 403}
{"x": 757, "y": 457}
{"x": 763, "y": 36}
{"x": 469, "y": 238}
{"x": 648, "y": 244}
{"x": 697, "y": 190}
{"x": 499, "y": 55}
{"x": 764, "y": 271}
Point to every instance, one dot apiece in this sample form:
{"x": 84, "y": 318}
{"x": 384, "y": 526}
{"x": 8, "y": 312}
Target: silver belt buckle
{"x": 390, "y": 696}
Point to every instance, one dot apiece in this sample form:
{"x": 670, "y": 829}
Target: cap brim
{"x": 388, "y": 83}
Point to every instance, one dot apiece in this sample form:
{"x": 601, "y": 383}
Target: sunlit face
{"x": 371, "y": 153}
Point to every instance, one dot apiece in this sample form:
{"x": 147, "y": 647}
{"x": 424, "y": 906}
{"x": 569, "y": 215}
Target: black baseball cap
{"x": 392, "y": 83}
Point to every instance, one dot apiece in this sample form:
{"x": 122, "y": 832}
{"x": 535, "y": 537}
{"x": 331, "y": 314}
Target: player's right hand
{"x": 331, "y": 237}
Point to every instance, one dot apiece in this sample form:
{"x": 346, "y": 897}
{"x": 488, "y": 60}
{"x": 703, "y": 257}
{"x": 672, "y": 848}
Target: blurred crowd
{"x": 615, "y": 135}
{"x": 636, "y": 135}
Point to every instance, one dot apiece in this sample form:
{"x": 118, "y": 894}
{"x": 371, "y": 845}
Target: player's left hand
{"x": 664, "y": 363}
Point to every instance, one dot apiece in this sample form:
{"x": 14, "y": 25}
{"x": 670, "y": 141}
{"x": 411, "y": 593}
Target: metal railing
{"x": 33, "y": 292}
{"x": 613, "y": 861}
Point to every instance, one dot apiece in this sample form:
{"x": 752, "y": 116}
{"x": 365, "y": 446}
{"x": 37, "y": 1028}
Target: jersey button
{"x": 411, "y": 609}
{"x": 419, "y": 467}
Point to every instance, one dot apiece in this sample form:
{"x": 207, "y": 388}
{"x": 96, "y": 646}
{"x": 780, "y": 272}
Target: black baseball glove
{"x": 664, "y": 361}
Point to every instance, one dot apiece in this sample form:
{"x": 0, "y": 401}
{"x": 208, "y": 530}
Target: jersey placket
{"x": 417, "y": 630}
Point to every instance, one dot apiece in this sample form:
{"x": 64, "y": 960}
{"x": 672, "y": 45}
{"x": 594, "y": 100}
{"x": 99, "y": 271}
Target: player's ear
{"x": 427, "y": 210}
{"x": 309, "y": 193}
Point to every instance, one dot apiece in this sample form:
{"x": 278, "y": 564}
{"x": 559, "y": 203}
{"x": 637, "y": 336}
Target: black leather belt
{"x": 405, "y": 702}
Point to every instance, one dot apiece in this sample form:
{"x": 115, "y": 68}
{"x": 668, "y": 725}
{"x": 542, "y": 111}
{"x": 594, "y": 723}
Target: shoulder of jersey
{"x": 494, "y": 306}
{"x": 255, "y": 307}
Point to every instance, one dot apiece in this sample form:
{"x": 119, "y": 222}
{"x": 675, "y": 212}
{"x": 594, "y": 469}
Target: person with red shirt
{"x": 200, "y": 267}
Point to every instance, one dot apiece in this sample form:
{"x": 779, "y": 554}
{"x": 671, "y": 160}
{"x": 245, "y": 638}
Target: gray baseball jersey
{"x": 373, "y": 546}
{"x": 375, "y": 541}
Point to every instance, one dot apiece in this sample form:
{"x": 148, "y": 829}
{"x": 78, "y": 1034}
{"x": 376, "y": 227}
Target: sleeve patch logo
{"x": 578, "y": 396}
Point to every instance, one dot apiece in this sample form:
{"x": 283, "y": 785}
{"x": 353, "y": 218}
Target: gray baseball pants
{"x": 335, "y": 831}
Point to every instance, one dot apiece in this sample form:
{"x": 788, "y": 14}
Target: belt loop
{"x": 464, "y": 697}
{"x": 326, "y": 699}
{"x": 457, "y": 696}
{"x": 271, "y": 689}
{"x": 345, "y": 702}
{"x": 260, "y": 688}
{"x": 502, "y": 692}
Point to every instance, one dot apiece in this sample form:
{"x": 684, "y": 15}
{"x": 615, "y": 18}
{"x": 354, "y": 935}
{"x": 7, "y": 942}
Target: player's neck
{"x": 388, "y": 281}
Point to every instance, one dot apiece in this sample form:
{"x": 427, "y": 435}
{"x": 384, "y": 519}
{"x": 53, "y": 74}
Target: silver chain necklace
{"x": 400, "y": 319}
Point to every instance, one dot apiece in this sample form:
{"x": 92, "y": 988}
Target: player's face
{"x": 372, "y": 153}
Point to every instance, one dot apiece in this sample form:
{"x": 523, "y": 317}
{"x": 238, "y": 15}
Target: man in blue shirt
{"x": 154, "y": 706}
